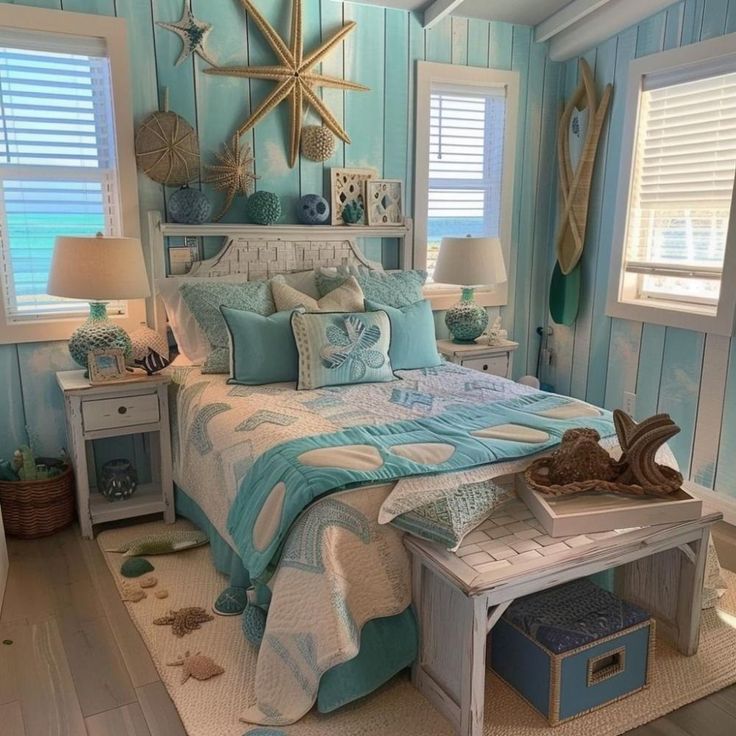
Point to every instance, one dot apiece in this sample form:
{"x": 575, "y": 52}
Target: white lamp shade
{"x": 470, "y": 262}
{"x": 98, "y": 269}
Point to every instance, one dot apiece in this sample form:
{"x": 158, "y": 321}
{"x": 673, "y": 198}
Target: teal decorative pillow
{"x": 413, "y": 340}
{"x": 448, "y": 519}
{"x": 262, "y": 349}
{"x": 395, "y": 289}
{"x": 342, "y": 348}
{"x": 204, "y": 301}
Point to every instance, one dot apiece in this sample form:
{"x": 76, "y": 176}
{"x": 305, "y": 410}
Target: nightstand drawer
{"x": 497, "y": 366}
{"x": 121, "y": 412}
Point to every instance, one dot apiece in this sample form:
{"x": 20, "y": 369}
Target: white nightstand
{"x": 114, "y": 410}
{"x": 495, "y": 359}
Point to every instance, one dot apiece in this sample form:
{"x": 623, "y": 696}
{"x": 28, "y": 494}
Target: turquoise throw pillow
{"x": 262, "y": 349}
{"x": 395, "y": 289}
{"x": 413, "y": 340}
{"x": 342, "y": 348}
{"x": 204, "y": 301}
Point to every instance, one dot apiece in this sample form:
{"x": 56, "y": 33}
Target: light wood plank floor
{"x": 78, "y": 667}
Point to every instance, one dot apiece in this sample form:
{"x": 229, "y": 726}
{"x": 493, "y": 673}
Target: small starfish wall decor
{"x": 232, "y": 174}
{"x": 193, "y": 34}
{"x": 294, "y": 75}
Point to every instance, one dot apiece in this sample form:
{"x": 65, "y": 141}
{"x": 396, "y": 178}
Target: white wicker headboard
{"x": 263, "y": 258}
{"x": 261, "y": 252}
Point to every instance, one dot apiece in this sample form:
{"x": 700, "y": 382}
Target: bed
{"x": 291, "y": 487}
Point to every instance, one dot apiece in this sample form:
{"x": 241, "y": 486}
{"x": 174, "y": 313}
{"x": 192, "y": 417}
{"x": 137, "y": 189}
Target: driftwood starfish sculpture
{"x": 294, "y": 76}
{"x": 581, "y": 465}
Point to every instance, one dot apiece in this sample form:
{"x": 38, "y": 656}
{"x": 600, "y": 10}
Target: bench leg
{"x": 473, "y": 685}
{"x": 669, "y": 586}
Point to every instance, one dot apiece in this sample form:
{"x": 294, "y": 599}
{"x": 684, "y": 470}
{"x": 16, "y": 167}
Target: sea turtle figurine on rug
{"x": 185, "y": 620}
{"x": 198, "y": 666}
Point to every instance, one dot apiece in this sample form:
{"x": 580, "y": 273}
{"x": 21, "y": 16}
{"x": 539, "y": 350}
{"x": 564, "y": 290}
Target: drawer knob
{"x": 122, "y": 410}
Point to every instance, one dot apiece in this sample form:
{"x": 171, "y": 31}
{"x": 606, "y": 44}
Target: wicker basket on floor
{"x": 37, "y": 508}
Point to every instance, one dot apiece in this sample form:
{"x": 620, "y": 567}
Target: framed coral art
{"x": 384, "y": 202}
{"x": 348, "y": 185}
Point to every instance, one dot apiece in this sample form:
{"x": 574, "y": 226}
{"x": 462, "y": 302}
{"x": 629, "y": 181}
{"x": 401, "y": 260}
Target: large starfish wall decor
{"x": 295, "y": 76}
{"x": 193, "y": 34}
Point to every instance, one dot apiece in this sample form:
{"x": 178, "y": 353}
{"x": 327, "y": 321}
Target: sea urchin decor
{"x": 295, "y": 76}
{"x": 318, "y": 142}
{"x": 263, "y": 208}
{"x": 232, "y": 174}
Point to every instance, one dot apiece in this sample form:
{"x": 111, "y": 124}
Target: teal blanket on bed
{"x": 288, "y": 477}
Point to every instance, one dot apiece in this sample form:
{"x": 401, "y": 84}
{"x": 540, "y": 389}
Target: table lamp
{"x": 98, "y": 270}
{"x": 469, "y": 262}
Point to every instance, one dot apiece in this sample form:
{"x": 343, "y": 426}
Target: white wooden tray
{"x": 603, "y": 512}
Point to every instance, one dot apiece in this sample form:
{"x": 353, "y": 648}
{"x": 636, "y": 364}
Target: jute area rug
{"x": 212, "y": 707}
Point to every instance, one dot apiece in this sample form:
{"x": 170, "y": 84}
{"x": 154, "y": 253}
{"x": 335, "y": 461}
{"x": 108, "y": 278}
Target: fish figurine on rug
{"x": 198, "y": 666}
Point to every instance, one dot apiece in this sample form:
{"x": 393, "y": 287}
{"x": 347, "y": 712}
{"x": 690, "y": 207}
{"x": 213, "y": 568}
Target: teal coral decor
{"x": 135, "y": 567}
{"x": 189, "y": 206}
{"x": 352, "y": 213}
{"x": 98, "y": 333}
{"x": 254, "y": 625}
{"x": 466, "y": 320}
{"x": 313, "y": 210}
{"x": 263, "y": 208}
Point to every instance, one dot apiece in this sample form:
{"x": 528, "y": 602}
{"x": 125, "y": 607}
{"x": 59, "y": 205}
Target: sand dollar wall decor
{"x": 167, "y": 149}
{"x": 348, "y": 186}
{"x": 294, "y": 75}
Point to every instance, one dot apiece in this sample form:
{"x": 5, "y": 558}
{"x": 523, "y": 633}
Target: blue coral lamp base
{"x": 98, "y": 333}
{"x": 466, "y": 320}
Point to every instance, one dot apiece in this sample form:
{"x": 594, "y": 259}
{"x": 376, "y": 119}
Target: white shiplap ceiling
{"x": 571, "y": 26}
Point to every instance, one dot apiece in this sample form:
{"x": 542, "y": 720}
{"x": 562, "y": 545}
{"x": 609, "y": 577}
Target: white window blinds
{"x": 682, "y": 187}
{"x": 465, "y": 164}
{"x": 57, "y": 161}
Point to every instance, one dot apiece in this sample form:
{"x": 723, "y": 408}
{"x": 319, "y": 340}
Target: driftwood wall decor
{"x": 575, "y": 181}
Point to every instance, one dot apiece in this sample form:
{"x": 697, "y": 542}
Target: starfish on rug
{"x": 185, "y": 620}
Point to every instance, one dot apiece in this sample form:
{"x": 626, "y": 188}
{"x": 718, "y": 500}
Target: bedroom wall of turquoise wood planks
{"x": 381, "y": 54}
{"x": 690, "y": 375}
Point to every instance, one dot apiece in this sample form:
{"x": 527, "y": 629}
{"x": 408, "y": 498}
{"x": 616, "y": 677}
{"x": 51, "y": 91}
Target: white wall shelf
{"x": 286, "y": 232}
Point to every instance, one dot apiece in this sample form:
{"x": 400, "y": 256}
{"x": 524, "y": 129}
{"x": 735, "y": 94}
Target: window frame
{"x": 114, "y": 32}
{"x": 661, "y": 312}
{"x": 455, "y": 76}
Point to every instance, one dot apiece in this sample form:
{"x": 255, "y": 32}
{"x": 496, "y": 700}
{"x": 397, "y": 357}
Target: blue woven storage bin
{"x": 572, "y": 649}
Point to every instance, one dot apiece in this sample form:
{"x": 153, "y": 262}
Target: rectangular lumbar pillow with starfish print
{"x": 341, "y": 348}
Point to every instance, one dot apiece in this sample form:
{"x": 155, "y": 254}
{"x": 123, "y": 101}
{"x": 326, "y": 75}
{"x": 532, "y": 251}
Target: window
{"x": 465, "y": 160}
{"x": 60, "y": 172}
{"x": 676, "y": 246}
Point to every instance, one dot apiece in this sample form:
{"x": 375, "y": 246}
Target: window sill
{"x": 443, "y": 297}
{"x": 54, "y": 330}
{"x": 672, "y": 314}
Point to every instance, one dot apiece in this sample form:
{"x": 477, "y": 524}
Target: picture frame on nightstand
{"x": 106, "y": 366}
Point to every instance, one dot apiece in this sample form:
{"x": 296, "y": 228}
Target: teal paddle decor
{"x": 564, "y": 295}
